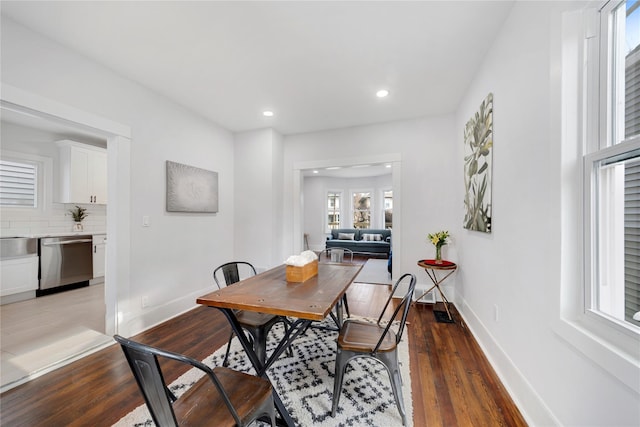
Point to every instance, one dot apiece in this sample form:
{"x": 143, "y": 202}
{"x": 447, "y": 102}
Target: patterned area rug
{"x": 305, "y": 384}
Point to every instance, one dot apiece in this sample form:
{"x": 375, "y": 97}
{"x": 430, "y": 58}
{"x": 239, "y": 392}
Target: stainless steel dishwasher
{"x": 65, "y": 261}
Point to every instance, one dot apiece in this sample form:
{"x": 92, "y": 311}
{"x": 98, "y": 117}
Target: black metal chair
{"x": 256, "y": 324}
{"x": 229, "y": 397}
{"x": 373, "y": 340}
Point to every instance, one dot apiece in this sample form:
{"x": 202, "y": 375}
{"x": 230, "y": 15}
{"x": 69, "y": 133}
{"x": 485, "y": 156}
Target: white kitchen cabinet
{"x": 83, "y": 173}
{"x": 99, "y": 255}
{"x": 18, "y": 275}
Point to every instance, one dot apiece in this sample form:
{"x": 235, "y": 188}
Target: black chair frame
{"x": 388, "y": 358}
{"x": 257, "y": 333}
{"x": 143, "y": 361}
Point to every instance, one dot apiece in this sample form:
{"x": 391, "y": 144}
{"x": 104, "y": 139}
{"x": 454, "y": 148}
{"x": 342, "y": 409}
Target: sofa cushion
{"x": 346, "y": 236}
{"x": 368, "y": 237}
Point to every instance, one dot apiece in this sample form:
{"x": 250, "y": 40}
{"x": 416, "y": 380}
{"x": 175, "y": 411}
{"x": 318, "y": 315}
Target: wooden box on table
{"x": 302, "y": 274}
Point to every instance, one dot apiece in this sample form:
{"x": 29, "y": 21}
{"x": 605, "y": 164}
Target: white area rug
{"x": 374, "y": 271}
{"x": 305, "y": 384}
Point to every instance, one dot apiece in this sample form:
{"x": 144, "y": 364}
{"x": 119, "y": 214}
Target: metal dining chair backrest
{"x": 340, "y": 255}
{"x": 403, "y": 306}
{"x": 231, "y": 272}
{"x": 143, "y": 361}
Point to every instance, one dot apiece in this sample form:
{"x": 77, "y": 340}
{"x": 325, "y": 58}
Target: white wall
{"x": 315, "y": 203}
{"x": 171, "y": 261}
{"x": 258, "y": 198}
{"x": 516, "y": 269}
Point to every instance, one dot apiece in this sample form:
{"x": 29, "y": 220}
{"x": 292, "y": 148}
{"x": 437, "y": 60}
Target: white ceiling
{"x": 317, "y": 65}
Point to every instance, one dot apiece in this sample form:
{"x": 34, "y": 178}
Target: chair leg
{"x": 346, "y": 305}
{"x": 225, "y": 363}
{"x": 286, "y": 329}
{"x": 260, "y": 343}
{"x": 338, "y": 378}
{"x": 391, "y": 362}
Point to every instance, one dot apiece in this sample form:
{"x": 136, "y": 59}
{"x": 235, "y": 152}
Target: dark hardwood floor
{"x": 452, "y": 382}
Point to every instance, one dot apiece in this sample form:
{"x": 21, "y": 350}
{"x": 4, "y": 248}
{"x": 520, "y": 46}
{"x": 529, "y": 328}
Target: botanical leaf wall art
{"x": 478, "y": 159}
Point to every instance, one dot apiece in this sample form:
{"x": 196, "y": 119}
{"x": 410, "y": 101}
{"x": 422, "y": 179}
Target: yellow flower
{"x": 439, "y": 238}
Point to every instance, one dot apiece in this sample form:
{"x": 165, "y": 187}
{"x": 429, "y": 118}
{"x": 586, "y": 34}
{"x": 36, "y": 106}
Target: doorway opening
{"x": 318, "y": 185}
{"x": 35, "y": 353}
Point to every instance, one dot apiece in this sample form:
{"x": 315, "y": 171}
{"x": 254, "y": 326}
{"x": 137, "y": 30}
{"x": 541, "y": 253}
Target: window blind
{"x": 632, "y": 242}
{"x": 18, "y": 184}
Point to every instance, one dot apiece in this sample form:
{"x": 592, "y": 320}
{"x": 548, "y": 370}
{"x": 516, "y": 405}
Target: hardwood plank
{"x": 452, "y": 382}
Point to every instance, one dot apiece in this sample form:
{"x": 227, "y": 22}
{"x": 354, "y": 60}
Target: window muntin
{"x": 361, "y": 209}
{"x": 18, "y": 184}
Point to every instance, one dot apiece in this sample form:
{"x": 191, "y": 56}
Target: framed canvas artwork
{"x": 191, "y": 189}
{"x": 478, "y": 159}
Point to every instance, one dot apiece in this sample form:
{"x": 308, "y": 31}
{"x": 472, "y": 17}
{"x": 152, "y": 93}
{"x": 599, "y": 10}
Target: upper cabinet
{"x": 83, "y": 173}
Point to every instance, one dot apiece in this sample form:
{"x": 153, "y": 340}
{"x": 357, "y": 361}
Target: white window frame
{"x": 44, "y": 183}
{"x": 382, "y": 207}
{"x": 591, "y": 217}
{"x": 325, "y": 219}
{"x": 25, "y": 166}
{"x": 605, "y": 342}
{"x": 372, "y": 210}
{"x": 602, "y": 143}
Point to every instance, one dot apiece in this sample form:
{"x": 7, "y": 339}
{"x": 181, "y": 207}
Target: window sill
{"x": 616, "y": 360}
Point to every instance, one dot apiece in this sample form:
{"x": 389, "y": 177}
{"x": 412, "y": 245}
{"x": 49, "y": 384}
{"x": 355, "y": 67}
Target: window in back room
{"x": 362, "y": 209}
{"x": 333, "y": 209}
{"x": 18, "y": 184}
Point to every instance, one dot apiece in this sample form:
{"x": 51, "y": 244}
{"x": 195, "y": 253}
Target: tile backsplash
{"x": 57, "y": 220}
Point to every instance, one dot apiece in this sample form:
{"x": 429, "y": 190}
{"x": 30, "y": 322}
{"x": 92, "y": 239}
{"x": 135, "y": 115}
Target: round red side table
{"x": 430, "y": 267}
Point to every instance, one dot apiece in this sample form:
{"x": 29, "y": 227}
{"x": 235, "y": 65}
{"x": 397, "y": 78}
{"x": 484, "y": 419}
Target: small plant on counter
{"x": 78, "y": 213}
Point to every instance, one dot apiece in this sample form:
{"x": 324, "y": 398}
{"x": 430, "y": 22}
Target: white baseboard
{"x": 535, "y": 411}
{"x": 153, "y": 316}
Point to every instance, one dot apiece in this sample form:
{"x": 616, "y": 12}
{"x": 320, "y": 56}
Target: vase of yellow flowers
{"x": 439, "y": 239}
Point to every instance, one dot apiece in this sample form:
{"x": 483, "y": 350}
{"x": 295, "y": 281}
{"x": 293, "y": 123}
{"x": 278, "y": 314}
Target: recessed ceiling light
{"x": 315, "y": 171}
{"x": 387, "y": 166}
{"x": 382, "y": 93}
{"x": 267, "y": 113}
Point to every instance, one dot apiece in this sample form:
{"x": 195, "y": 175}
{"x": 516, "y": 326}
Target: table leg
{"x": 436, "y": 284}
{"x": 299, "y": 326}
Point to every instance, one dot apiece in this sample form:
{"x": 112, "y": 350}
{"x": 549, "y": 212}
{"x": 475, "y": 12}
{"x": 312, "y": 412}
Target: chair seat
{"x": 363, "y": 337}
{"x": 251, "y": 318}
{"x": 202, "y": 404}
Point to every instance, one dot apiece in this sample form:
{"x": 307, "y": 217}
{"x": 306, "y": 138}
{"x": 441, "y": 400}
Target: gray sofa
{"x": 356, "y": 240}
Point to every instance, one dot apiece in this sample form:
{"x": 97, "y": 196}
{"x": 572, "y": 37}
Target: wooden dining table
{"x": 269, "y": 292}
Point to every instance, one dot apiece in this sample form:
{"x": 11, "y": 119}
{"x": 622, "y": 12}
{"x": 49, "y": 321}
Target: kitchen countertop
{"x": 71, "y": 233}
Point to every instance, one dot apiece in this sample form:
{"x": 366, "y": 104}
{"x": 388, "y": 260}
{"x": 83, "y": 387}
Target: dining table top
{"x": 269, "y": 292}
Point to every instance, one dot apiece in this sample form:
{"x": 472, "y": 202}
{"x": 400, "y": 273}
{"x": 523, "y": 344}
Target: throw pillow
{"x": 372, "y": 237}
{"x": 346, "y": 236}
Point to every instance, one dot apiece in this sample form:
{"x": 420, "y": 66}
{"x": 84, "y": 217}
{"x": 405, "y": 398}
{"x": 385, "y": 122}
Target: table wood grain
{"x": 269, "y": 292}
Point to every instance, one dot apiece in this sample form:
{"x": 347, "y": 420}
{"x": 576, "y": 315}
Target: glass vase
{"x": 438, "y": 253}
